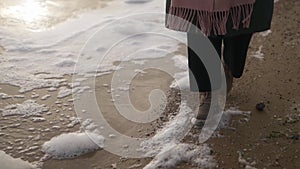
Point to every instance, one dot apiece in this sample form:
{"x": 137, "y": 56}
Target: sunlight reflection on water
{"x": 38, "y": 15}
{"x": 27, "y": 11}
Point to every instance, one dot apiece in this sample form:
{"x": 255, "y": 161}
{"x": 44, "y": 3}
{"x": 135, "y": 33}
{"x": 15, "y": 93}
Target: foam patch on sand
{"x": 25, "y": 80}
{"x": 258, "y": 54}
{"x": 232, "y": 111}
{"x": 71, "y": 145}
{"x": 27, "y": 108}
{"x": 181, "y": 81}
{"x": 265, "y": 33}
{"x": 174, "y": 154}
{"x": 165, "y": 145}
{"x": 8, "y": 162}
{"x": 168, "y": 150}
{"x": 170, "y": 132}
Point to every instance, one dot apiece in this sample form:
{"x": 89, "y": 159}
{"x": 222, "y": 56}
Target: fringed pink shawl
{"x": 210, "y": 15}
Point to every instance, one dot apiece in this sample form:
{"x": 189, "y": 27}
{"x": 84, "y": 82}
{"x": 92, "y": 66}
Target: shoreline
{"x": 268, "y": 139}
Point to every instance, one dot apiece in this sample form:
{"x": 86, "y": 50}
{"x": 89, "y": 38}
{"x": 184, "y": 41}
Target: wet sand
{"x": 270, "y": 138}
{"x": 30, "y": 133}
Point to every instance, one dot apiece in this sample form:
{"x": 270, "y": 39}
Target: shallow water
{"x": 37, "y": 15}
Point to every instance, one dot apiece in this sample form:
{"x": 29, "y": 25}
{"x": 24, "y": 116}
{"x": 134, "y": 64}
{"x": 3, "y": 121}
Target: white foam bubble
{"x": 71, "y": 145}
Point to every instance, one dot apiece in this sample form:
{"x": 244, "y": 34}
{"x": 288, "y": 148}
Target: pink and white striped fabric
{"x": 210, "y": 15}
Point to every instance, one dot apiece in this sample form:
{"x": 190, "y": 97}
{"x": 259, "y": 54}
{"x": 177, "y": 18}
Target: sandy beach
{"x": 260, "y": 139}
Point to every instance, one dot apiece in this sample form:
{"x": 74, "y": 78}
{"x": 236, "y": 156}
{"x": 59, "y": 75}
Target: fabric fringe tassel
{"x": 181, "y": 19}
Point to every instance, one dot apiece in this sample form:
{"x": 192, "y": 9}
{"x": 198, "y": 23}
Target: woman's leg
{"x": 235, "y": 52}
{"x": 199, "y": 78}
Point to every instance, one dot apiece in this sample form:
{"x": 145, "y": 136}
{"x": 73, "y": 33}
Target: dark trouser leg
{"x": 199, "y": 78}
{"x": 235, "y": 52}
